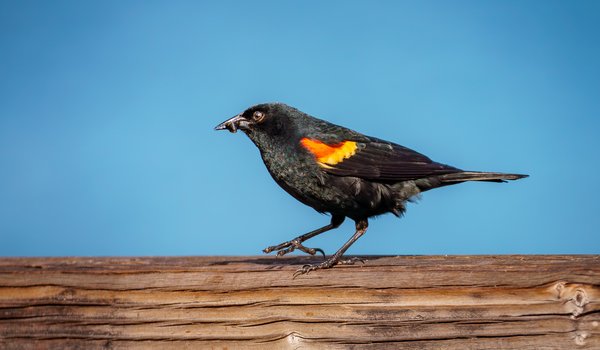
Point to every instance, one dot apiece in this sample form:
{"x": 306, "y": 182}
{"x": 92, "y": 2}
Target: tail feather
{"x": 428, "y": 183}
{"x": 479, "y": 176}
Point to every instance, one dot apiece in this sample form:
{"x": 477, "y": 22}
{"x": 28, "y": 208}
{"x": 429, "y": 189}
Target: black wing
{"x": 379, "y": 160}
{"x": 376, "y": 159}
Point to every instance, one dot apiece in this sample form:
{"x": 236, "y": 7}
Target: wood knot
{"x": 580, "y": 337}
{"x": 294, "y": 339}
{"x": 67, "y": 294}
{"x": 559, "y": 286}
{"x": 574, "y": 297}
{"x": 579, "y": 299}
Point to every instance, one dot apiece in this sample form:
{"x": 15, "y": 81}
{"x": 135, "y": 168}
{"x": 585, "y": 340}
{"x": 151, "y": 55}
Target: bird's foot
{"x": 289, "y": 246}
{"x": 329, "y": 263}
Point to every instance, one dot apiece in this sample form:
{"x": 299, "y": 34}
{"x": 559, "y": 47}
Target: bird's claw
{"x": 327, "y": 264}
{"x": 308, "y": 268}
{"x": 288, "y": 247}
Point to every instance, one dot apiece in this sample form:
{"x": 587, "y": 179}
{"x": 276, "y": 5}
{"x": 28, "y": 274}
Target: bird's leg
{"x": 296, "y": 243}
{"x": 361, "y": 228}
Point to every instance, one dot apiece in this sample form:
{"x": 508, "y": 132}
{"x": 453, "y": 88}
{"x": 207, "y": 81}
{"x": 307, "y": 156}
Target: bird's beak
{"x": 233, "y": 124}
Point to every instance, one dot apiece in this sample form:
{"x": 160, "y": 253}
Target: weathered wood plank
{"x": 411, "y": 302}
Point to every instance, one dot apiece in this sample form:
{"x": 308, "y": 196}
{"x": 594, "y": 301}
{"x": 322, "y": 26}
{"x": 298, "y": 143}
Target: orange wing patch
{"x": 329, "y": 154}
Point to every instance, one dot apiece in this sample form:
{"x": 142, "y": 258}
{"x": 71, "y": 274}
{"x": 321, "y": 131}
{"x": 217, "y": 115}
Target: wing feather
{"x": 372, "y": 158}
{"x": 383, "y": 161}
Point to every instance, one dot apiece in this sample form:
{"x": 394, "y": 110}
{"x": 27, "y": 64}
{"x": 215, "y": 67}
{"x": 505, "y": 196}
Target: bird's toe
{"x": 288, "y": 247}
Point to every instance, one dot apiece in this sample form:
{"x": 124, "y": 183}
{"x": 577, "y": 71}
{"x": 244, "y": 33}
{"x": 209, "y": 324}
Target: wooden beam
{"x": 411, "y": 302}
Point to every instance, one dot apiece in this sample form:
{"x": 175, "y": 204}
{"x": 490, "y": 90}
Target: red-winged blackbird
{"x": 339, "y": 171}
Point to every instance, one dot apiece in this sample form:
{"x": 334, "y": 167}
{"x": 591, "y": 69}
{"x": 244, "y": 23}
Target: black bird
{"x": 339, "y": 171}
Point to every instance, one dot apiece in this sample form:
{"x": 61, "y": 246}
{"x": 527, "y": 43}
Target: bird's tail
{"x": 429, "y": 183}
{"x": 479, "y": 176}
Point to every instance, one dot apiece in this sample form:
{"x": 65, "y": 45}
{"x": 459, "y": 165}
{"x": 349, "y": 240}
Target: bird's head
{"x": 267, "y": 120}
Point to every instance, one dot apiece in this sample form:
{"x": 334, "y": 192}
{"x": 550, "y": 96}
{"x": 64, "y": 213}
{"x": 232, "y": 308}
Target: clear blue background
{"x": 107, "y": 110}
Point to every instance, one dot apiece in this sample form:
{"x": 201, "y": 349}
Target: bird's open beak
{"x": 235, "y": 123}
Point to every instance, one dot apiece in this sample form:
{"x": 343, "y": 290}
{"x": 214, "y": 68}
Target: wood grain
{"x": 406, "y": 302}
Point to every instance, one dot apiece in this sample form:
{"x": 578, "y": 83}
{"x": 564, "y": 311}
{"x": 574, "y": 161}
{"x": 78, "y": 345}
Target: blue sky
{"x": 107, "y": 111}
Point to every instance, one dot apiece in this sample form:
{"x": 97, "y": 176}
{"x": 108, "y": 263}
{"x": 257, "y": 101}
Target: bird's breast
{"x": 303, "y": 178}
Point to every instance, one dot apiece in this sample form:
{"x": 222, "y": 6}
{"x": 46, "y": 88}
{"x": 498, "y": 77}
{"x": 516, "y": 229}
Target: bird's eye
{"x": 258, "y": 116}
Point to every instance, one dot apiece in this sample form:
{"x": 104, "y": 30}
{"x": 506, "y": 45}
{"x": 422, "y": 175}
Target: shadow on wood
{"x": 410, "y": 302}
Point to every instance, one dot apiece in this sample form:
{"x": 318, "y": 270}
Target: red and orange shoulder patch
{"x": 328, "y": 155}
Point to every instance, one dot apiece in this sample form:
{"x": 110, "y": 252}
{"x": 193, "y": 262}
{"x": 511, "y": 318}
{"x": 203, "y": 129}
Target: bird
{"x": 341, "y": 172}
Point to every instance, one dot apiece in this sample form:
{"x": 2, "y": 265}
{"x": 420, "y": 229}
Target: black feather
{"x": 388, "y": 162}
